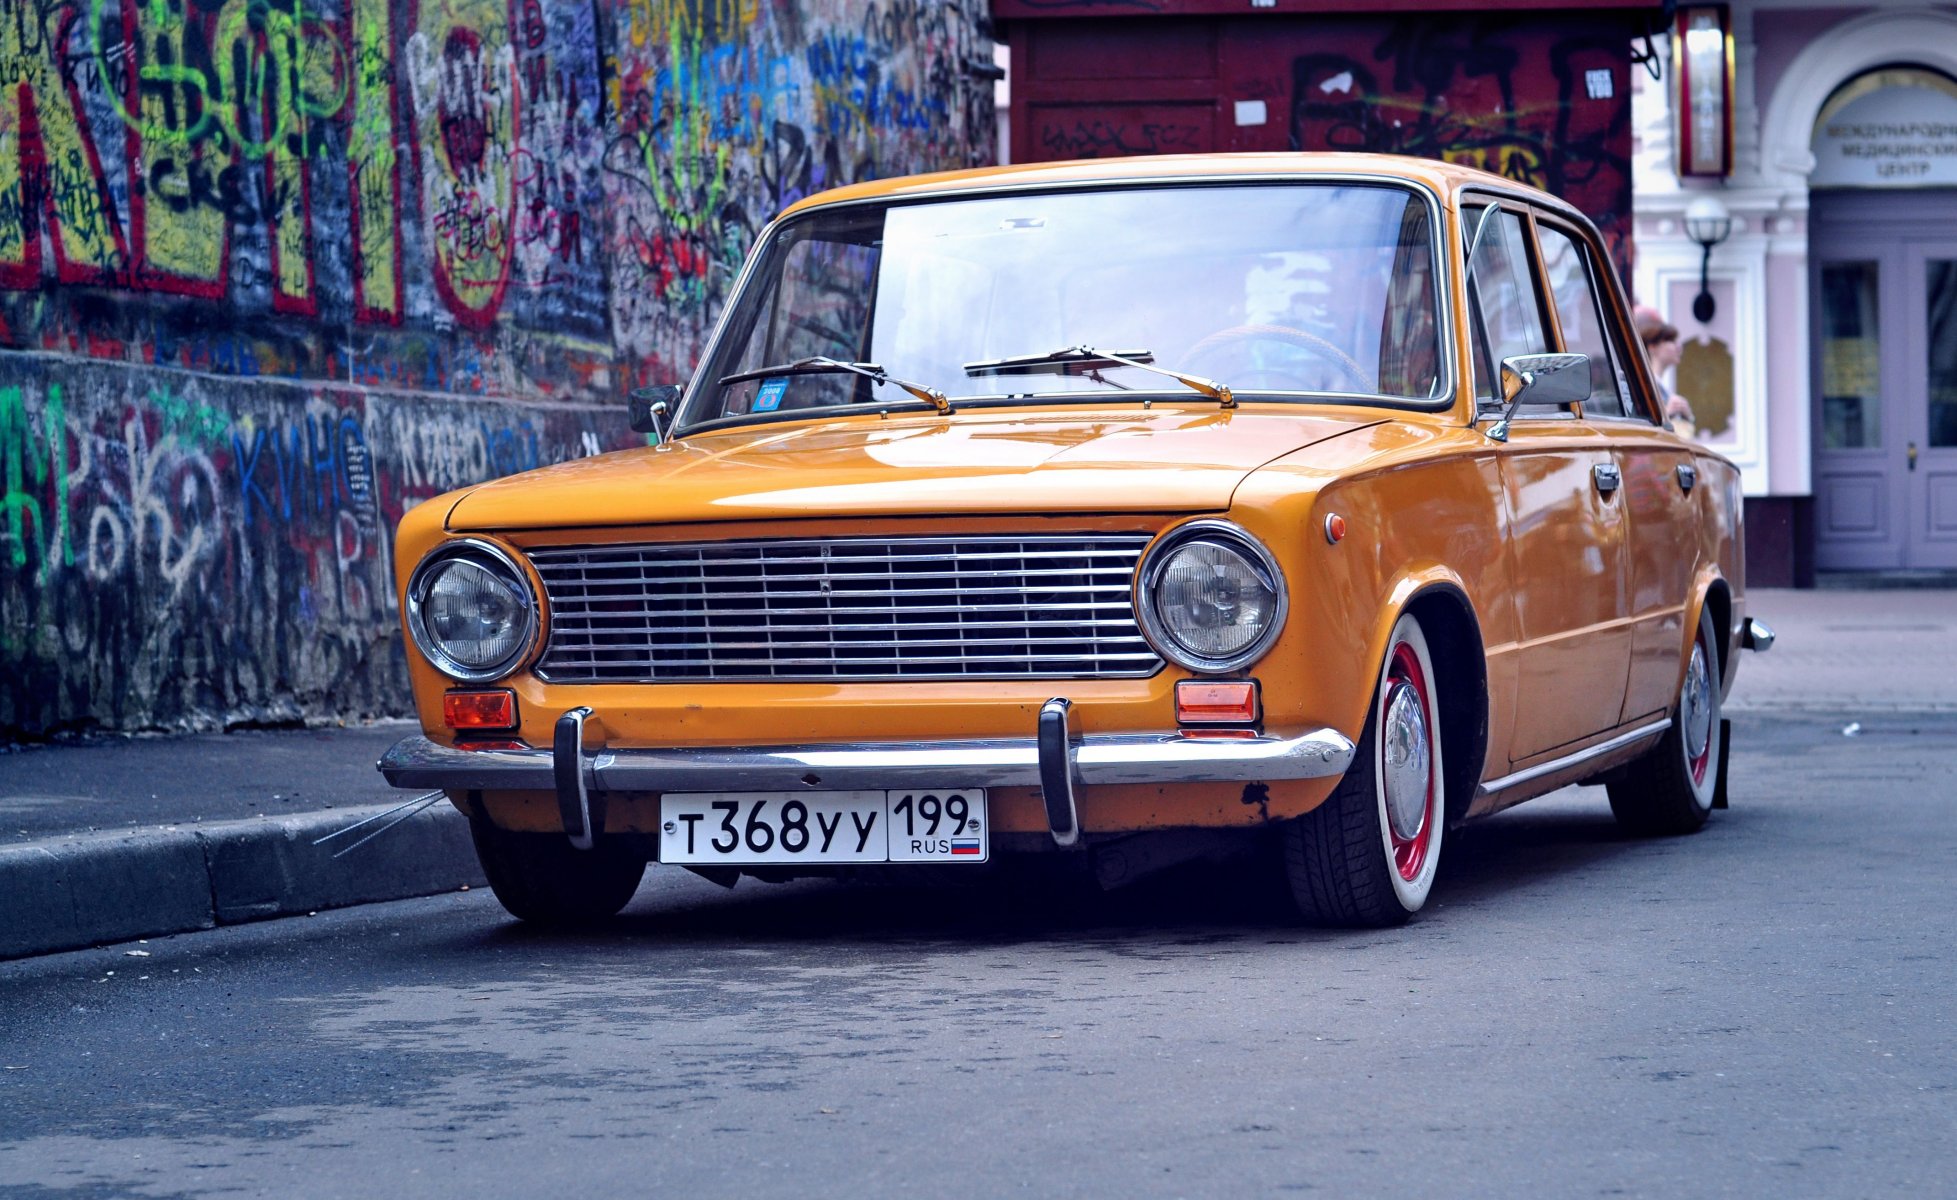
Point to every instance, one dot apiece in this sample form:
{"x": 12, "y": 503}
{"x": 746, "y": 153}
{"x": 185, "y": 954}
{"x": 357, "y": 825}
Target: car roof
{"x": 1447, "y": 179}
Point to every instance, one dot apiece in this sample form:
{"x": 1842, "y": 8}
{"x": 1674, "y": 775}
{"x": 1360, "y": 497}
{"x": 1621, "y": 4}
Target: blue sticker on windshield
{"x": 768, "y": 399}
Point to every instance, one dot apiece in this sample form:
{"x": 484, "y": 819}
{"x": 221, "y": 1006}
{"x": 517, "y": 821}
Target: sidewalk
{"x": 1852, "y": 652}
{"x": 134, "y": 783}
{"x": 127, "y": 838}
{"x": 134, "y": 837}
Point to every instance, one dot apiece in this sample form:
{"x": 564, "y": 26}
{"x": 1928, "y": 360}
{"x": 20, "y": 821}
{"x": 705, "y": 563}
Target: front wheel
{"x": 1366, "y": 857}
{"x": 1670, "y": 789}
{"x": 541, "y": 877}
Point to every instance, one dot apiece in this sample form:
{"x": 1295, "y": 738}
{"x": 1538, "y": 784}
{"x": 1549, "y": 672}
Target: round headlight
{"x": 1211, "y": 597}
{"x": 470, "y": 611}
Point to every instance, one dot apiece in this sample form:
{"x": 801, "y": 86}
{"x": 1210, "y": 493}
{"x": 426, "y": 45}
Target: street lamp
{"x": 1708, "y": 223}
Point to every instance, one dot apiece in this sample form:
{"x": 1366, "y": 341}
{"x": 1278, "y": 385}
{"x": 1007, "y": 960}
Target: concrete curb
{"x": 84, "y": 890}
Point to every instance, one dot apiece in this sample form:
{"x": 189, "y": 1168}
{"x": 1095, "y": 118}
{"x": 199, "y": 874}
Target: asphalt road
{"x": 1762, "y": 1009}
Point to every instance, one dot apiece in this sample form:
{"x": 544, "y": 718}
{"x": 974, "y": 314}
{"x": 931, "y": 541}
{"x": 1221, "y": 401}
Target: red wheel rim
{"x": 1406, "y": 685}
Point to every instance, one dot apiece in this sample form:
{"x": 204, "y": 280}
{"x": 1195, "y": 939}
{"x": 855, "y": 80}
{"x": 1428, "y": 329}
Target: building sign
{"x": 1896, "y": 127}
{"x": 1702, "y": 90}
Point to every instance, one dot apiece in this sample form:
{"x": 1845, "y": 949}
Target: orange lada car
{"x": 1113, "y": 510}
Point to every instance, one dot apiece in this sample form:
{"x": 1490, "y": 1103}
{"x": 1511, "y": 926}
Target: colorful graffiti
{"x": 470, "y": 183}
{"x": 175, "y": 558}
{"x": 409, "y": 178}
{"x": 731, "y": 110}
{"x": 272, "y": 271}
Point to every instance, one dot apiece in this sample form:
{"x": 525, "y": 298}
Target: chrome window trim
{"x": 1147, "y": 571}
{"x": 1446, "y": 387}
{"x": 527, "y": 645}
{"x": 1494, "y": 413}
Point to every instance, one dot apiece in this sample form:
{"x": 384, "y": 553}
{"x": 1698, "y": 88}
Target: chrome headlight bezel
{"x": 1148, "y": 577}
{"x": 497, "y": 561}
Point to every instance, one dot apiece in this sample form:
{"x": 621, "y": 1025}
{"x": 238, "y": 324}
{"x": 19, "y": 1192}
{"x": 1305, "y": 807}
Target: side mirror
{"x": 650, "y": 409}
{"x": 1541, "y": 379}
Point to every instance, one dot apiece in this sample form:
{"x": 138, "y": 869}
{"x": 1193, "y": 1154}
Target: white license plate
{"x": 735, "y": 828}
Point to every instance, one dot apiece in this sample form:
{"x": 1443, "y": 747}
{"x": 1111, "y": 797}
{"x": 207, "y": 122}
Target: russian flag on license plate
{"x": 961, "y": 846}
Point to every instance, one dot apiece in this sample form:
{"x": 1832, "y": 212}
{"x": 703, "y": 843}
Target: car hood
{"x": 1163, "y": 459}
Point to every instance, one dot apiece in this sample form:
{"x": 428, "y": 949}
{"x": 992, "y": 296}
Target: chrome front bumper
{"x": 1056, "y": 760}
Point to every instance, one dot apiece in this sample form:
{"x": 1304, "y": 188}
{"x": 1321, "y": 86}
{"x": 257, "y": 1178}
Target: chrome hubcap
{"x": 1697, "y": 705}
{"x": 1406, "y": 768}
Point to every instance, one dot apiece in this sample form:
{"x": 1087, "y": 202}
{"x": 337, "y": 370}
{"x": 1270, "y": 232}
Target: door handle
{"x": 1912, "y": 456}
{"x": 1687, "y": 476}
{"x": 1606, "y": 477}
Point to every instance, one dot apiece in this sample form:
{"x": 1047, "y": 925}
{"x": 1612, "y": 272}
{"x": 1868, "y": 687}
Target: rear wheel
{"x": 1670, "y": 789}
{"x": 1367, "y": 856}
{"x": 541, "y": 877}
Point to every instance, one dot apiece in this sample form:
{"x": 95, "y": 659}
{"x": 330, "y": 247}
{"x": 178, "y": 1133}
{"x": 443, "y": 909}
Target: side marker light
{"x": 1334, "y": 528}
{"x": 1217, "y": 702}
{"x": 492, "y": 709}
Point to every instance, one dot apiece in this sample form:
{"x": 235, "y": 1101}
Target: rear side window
{"x": 1502, "y": 300}
{"x": 1573, "y": 281}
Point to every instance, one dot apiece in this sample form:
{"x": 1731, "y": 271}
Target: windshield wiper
{"x": 819, "y": 365}
{"x": 1086, "y": 359}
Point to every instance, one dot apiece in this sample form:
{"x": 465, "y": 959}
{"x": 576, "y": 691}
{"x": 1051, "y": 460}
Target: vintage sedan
{"x": 1118, "y": 510}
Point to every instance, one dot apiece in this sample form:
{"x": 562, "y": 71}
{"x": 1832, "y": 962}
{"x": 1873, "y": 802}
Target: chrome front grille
{"x": 845, "y": 608}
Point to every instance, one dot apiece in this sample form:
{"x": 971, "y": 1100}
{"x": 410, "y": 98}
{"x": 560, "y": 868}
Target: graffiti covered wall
{"x": 706, "y": 149}
{"x": 180, "y": 552}
{"x": 272, "y": 271}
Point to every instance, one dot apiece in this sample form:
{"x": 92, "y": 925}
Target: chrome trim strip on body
{"x": 1576, "y": 758}
{"x": 1098, "y": 759}
{"x": 1446, "y": 390}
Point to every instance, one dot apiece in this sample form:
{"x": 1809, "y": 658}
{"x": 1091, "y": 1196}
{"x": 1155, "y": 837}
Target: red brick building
{"x": 1539, "y": 92}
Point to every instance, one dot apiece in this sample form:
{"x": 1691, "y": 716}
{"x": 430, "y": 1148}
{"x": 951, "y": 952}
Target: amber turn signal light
{"x": 1208, "y": 702}
{"x": 494, "y": 709}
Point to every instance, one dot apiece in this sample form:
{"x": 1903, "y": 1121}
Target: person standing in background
{"x": 1661, "y": 346}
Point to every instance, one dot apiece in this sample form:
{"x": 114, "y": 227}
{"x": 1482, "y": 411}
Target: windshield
{"x": 1316, "y": 289}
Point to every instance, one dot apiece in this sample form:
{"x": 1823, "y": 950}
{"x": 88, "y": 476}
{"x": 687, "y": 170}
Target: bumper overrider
{"x": 1057, "y": 759}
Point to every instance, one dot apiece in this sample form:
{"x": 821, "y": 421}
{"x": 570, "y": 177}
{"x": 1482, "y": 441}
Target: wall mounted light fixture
{"x": 1708, "y": 223}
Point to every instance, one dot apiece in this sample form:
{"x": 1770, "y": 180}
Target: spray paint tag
{"x": 768, "y": 399}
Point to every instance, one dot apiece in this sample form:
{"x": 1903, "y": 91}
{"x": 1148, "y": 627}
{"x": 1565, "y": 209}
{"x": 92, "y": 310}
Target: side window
{"x": 821, "y": 307}
{"x": 1502, "y": 300}
{"x": 1572, "y": 279}
{"x": 1409, "y": 364}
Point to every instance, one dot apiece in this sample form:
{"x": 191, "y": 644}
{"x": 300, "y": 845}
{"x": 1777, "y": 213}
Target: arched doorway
{"x": 1882, "y": 231}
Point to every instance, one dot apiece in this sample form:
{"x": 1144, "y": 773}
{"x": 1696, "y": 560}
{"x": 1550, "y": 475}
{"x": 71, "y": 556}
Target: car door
{"x": 1658, "y": 478}
{"x": 1565, "y": 526}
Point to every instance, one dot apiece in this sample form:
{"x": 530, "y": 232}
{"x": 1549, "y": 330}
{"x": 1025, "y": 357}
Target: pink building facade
{"x": 1828, "y": 369}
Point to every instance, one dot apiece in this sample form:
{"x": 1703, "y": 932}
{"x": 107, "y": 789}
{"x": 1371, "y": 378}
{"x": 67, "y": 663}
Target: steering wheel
{"x": 1347, "y": 365}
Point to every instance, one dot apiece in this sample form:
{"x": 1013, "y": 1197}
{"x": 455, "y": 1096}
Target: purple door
{"x": 1931, "y": 460}
{"x": 1885, "y": 381}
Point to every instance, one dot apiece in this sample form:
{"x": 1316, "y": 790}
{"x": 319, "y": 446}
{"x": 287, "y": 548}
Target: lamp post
{"x": 1708, "y": 223}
